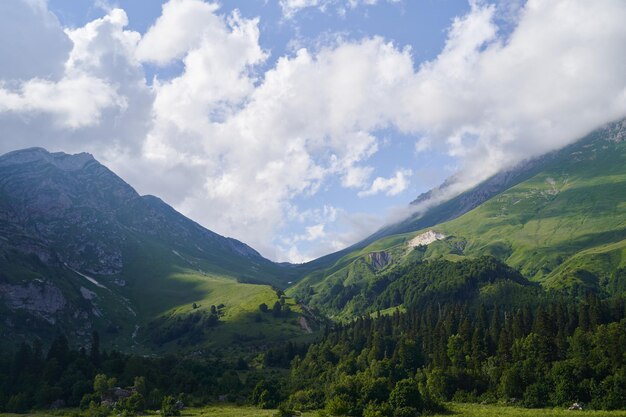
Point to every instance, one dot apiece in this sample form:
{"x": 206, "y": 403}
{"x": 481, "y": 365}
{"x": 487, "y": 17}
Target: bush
{"x": 536, "y": 395}
{"x": 18, "y": 403}
{"x": 132, "y": 405}
{"x": 406, "y": 412}
{"x": 284, "y": 411}
{"x": 406, "y": 394}
{"x": 96, "y": 410}
{"x": 305, "y": 400}
{"x": 87, "y": 399}
{"x": 377, "y": 410}
{"x": 338, "y": 406}
{"x": 168, "y": 407}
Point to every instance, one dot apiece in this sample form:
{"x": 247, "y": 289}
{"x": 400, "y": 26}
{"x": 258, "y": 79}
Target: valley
{"x": 498, "y": 296}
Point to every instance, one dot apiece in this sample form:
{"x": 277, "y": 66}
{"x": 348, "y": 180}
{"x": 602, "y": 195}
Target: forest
{"x": 559, "y": 352}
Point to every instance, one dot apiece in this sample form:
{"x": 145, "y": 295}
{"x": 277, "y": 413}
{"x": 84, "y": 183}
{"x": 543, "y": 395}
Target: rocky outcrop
{"x": 37, "y": 297}
{"x": 616, "y": 132}
{"x": 379, "y": 260}
{"x": 426, "y": 238}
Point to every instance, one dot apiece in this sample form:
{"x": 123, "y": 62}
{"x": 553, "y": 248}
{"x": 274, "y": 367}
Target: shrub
{"x": 168, "y": 407}
{"x": 132, "y": 405}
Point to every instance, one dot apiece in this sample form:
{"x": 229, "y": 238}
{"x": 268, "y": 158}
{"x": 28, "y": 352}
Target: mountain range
{"x": 81, "y": 250}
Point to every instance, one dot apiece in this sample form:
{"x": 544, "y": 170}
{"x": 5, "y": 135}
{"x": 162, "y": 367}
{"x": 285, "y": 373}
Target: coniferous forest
{"x": 562, "y": 350}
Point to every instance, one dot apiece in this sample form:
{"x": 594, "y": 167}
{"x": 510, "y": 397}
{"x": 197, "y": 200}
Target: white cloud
{"x": 75, "y": 101}
{"x": 234, "y": 148}
{"x": 308, "y": 119}
{"x": 91, "y": 100}
{"x": 183, "y": 25}
{"x": 356, "y": 176}
{"x": 38, "y": 49}
{"x": 493, "y": 102}
{"x": 390, "y": 186}
{"x": 292, "y": 7}
{"x": 423, "y": 144}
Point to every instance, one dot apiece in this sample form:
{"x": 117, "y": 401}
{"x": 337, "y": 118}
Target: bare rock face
{"x": 38, "y": 297}
{"x": 616, "y": 131}
{"x": 62, "y": 208}
{"x": 379, "y": 260}
{"x": 425, "y": 238}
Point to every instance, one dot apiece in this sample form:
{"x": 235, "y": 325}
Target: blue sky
{"x": 302, "y": 126}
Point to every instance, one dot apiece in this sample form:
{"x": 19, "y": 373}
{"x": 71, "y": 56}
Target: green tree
{"x": 168, "y": 407}
{"x": 139, "y": 385}
{"x": 455, "y": 351}
{"x": 405, "y": 394}
{"x": 277, "y": 309}
{"x": 131, "y": 405}
{"x": 94, "y": 353}
{"x": 100, "y": 384}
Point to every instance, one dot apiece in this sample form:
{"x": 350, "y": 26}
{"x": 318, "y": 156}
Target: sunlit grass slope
{"x": 564, "y": 227}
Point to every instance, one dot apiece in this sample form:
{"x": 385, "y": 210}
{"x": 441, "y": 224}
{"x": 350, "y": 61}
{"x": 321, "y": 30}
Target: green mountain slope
{"x": 80, "y": 250}
{"x": 566, "y": 226}
{"x": 561, "y": 222}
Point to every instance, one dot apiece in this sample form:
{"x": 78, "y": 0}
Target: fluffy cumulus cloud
{"x": 234, "y": 147}
{"x": 38, "y": 49}
{"x": 96, "y": 99}
{"x": 390, "y": 186}
{"x": 493, "y": 101}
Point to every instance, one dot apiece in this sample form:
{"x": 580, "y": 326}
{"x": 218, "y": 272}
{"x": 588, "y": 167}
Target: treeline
{"x": 38, "y": 378}
{"x": 551, "y": 355}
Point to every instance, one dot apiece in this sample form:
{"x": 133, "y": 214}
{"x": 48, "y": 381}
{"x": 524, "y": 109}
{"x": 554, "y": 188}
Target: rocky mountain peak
{"x": 62, "y": 161}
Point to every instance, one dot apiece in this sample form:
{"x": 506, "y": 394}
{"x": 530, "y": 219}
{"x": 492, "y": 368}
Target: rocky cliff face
{"x": 62, "y": 209}
{"x": 379, "y": 260}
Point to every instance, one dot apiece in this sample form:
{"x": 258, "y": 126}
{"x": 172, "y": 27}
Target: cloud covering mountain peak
{"x": 237, "y": 138}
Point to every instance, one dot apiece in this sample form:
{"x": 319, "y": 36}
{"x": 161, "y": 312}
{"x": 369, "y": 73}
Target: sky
{"x": 301, "y": 126}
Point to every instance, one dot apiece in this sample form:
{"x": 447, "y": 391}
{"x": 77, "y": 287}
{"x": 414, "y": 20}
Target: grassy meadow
{"x": 477, "y": 410}
{"x": 455, "y": 409}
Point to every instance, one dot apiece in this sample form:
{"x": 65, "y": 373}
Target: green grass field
{"x": 240, "y": 324}
{"x": 456, "y": 409}
{"x": 477, "y": 410}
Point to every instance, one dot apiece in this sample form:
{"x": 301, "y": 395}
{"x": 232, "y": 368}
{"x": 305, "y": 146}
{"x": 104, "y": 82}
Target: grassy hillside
{"x": 564, "y": 227}
{"x": 240, "y": 322}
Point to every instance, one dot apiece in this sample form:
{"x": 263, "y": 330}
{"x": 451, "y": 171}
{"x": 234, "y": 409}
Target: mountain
{"x": 81, "y": 250}
{"x": 428, "y": 214}
{"x": 559, "y": 220}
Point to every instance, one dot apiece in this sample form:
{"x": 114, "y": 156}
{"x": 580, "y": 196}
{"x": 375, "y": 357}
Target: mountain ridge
{"x": 74, "y": 232}
{"x": 557, "y": 221}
